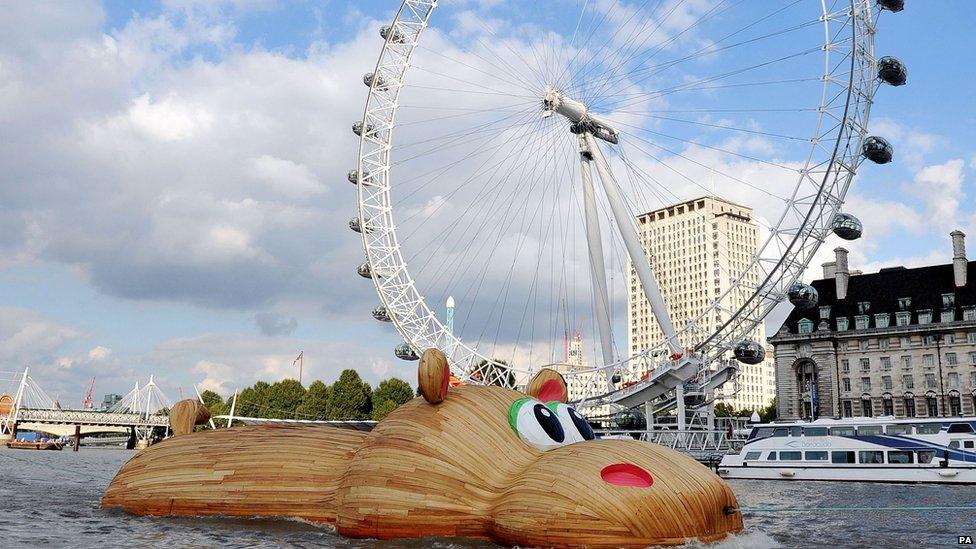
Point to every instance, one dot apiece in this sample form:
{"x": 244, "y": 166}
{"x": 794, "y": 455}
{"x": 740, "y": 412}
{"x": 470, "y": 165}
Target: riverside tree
{"x": 388, "y": 395}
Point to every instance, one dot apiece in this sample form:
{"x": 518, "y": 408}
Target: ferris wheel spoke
{"x": 509, "y": 77}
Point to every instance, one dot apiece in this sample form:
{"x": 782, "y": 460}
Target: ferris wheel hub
{"x": 582, "y": 120}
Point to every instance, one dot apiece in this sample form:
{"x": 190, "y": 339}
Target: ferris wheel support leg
{"x": 598, "y": 271}
{"x": 625, "y": 219}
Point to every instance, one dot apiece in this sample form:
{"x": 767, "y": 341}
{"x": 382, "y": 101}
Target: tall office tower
{"x": 696, "y": 249}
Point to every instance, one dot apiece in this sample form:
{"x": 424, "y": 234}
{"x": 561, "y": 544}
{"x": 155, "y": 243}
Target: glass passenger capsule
{"x": 391, "y": 34}
{"x": 892, "y": 5}
{"x": 803, "y": 296}
{"x": 364, "y": 270}
{"x": 354, "y": 178}
{"x": 892, "y": 71}
{"x": 846, "y": 226}
{"x": 404, "y": 352}
{"x": 877, "y": 150}
{"x": 357, "y": 129}
{"x": 748, "y": 351}
{"x": 380, "y": 84}
{"x": 380, "y": 313}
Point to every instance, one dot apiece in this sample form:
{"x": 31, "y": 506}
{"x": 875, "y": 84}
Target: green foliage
{"x": 284, "y": 398}
{"x": 497, "y": 372}
{"x": 766, "y": 413}
{"x": 388, "y": 395}
{"x": 252, "y": 402}
{"x": 315, "y": 404}
{"x": 349, "y": 397}
{"x": 210, "y": 398}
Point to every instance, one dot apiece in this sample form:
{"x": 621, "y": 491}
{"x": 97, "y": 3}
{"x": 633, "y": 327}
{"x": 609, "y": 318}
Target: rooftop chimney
{"x": 959, "y": 263}
{"x": 829, "y": 268}
{"x": 841, "y": 274}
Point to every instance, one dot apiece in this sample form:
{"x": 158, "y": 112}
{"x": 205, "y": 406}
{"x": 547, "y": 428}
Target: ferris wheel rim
{"x": 396, "y": 288}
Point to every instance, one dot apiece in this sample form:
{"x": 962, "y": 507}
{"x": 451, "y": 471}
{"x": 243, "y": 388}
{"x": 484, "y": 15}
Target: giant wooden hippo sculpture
{"x": 470, "y": 461}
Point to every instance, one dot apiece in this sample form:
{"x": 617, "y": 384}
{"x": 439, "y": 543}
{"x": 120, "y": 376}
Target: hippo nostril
{"x": 626, "y": 474}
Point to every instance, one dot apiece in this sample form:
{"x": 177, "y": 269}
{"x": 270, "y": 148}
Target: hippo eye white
{"x": 575, "y": 426}
{"x": 536, "y": 424}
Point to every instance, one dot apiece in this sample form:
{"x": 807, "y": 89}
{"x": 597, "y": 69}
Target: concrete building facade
{"x": 696, "y": 249}
{"x": 899, "y": 342}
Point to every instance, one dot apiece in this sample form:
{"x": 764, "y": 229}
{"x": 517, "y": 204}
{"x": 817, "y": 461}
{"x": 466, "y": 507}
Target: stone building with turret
{"x": 899, "y": 342}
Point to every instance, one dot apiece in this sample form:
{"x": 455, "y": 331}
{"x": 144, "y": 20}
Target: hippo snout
{"x": 615, "y": 493}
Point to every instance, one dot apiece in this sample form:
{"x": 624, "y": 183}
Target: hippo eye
{"x": 576, "y": 427}
{"x": 536, "y": 424}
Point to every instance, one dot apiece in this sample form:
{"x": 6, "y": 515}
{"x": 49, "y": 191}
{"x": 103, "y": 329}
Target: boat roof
{"x": 879, "y": 420}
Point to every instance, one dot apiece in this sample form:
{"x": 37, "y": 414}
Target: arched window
{"x": 807, "y": 388}
{"x": 909, "y": 401}
{"x": 887, "y": 406}
{"x": 931, "y": 404}
{"x": 867, "y": 409}
{"x": 955, "y": 404}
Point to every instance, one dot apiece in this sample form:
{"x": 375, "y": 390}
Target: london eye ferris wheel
{"x": 507, "y": 148}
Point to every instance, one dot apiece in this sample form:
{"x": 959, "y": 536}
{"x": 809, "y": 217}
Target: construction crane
{"x": 87, "y": 404}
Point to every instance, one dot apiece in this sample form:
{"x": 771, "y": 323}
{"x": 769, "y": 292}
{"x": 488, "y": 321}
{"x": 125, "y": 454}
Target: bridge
{"x": 30, "y": 408}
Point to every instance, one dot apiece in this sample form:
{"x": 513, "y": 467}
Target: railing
{"x": 703, "y": 445}
{"x": 87, "y": 417}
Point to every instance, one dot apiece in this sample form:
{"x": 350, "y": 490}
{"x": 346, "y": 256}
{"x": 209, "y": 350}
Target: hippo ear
{"x": 433, "y": 375}
{"x": 548, "y": 386}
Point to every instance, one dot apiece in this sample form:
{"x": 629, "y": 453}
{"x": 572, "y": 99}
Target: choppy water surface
{"x": 51, "y": 499}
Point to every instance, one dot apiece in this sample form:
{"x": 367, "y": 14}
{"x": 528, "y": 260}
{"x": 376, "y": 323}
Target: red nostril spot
{"x": 626, "y": 474}
{"x": 551, "y": 391}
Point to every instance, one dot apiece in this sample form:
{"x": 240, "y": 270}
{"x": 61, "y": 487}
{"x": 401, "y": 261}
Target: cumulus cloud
{"x": 272, "y": 324}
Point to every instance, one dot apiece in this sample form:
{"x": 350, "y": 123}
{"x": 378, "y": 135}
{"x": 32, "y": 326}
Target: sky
{"x": 173, "y": 198}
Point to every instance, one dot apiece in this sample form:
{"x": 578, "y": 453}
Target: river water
{"x": 51, "y": 499}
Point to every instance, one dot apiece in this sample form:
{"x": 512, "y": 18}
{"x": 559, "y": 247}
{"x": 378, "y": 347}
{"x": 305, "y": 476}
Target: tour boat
{"x": 35, "y": 445}
{"x": 931, "y": 450}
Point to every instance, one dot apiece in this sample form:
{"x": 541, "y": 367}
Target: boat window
{"x": 842, "y": 457}
{"x": 960, "y": 428}
{"x": 781, "y": 431}
{"x": 790, "y": 456}
{"x": 771, "y": 456}
{"x": 752, "y": 455}
{"x": 870, "y": 456}
{"x": 815, "y": 431}
{"x": 899, "y": 457}
{"x": 842, "y": 431}
{"x": 968, "y": 444}
{"x": 928, "y": 428}
{"x": 796, "y": 431}
{"x": 954, "y": 444}
{"x": 869, "y": 430}
{"x": 899, "y": 429}
{"x": 925, "y": 456}
{"x": 761, "y": 432}
{"x": 816, "y": 456}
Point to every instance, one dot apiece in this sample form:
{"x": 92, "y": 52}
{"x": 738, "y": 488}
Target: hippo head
{"x": 525, "y": 469}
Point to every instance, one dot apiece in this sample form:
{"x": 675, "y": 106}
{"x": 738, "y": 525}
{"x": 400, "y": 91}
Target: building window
{"x": 951, "y": 359}
{"x": 883, "y": 343}
{"x": 886, "y": 383}
{"x": 881, "y": 320}
{"x": 861, "y": 322}
{"x": 865, "y": 364}
{"x": 947, "y": 315}
{"x": 932, "y": 406}
{"x": 969, "y": 313}
{"x": 866, "y": 408}
{"x": 886, "y": 363}
{"x": 848, "y": 409}
{"x": 925, "y": 316}
{"x": 906, "y": 362}
{"x": 847, "y": 383}
{"x": 863, "y": 344}
{"x": 904, "y": 302}
{"x": 971, "y": 337}
{"x": 930, "y": 381}
{"x": 887, "y": 407}
{"x": 825, "y": 311}
{"x": 928, "y": 360}
{"x": 972, "y": 381}
{"x": 955, "y": 406}
{"x": 903, "y": 318}
{"x": 949, "y": 339}
{"x": 845, "y": 365}
{"x": 908, "y": 381}
{"x": 909, "y": 406}
{"x": 842, "y": 324}
{"x": 948, "y": 300}
{"x": 928, "y": 341}
{"x": 953, "y": 379}
{"x": 865, "y": 384}
{"x": 804, "y": 326}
